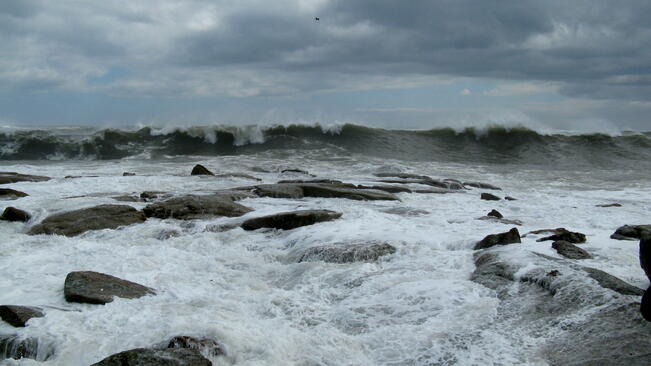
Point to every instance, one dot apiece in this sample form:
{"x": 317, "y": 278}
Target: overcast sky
{"x": 579, "y": 65}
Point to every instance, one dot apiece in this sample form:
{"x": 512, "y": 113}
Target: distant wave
{"x": 495, "y": 144}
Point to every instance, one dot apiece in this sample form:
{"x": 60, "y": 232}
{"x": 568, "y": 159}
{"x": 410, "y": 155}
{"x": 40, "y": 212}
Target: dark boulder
{"x": 128, "y": 174}
{"x": 19, "y": 315}
{"x": 489, "y": 197}
{"x": 343, "y": 253}
{"x": 631, "y": 232}
{"x": 11, "y": 177}
{"x": 290, "y": 220}
{"x": 570, "y": 250}
{"x": 645, "y": 305}
{"x": 14, "y": 214}
{"x": 195, "y": 207}
{"x": 495, "y": 213}
{"x": 205, "y": 346}
{"x": 17, "y": 347}
{"x": 510, "y": 237}
{"x": 565, "y": 235}
{"x": 11, "y": 194}
{"x": 156, "y": 357}
{"x": 481, "y": 185}
{"x": 99, "y": 288}
{"x": 645, "y": 256}
{"x": 73, "y": 223}
{"x": 200, "y": 170}
{"x": 611, "y": 282}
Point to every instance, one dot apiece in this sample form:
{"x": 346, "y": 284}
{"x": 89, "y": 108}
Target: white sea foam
{"x": 415, "y": 307}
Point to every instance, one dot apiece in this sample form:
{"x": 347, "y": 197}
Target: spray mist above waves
{"x": 491, "y": 145}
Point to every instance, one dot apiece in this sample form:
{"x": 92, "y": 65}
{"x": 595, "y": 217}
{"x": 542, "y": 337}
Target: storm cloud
{"x": 589, "y": 50}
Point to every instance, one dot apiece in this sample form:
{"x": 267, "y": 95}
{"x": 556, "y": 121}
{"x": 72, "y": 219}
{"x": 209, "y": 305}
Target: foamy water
{"x": 415, "y": 307}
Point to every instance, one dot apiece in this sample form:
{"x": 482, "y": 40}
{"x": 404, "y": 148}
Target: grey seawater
{"x": 418, "y": 306}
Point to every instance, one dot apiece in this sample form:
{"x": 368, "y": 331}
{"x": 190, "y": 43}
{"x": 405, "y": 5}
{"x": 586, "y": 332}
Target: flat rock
{"x": 156, "y": 357}
{"x": 631, "y": 232}
{"x": 565, "y": 235}
{"x": 205, "y": 346}
{"x": 645, "y": 256}
{"x": 489, "y": 197}
{"x": 321, "y": 190}
{"x": 343, "y": 253}
{"x": 15, "y": 214}
{"x": 13, "y": 346}
{"x": 510, "y": 237}
{"x": 290, "y": 220}
{"x": 385, "y": 188}
{"x": 481, "y": 185}
{"x": 99, "y": 288}
{"x": 11, "y": 194}
{"x": 609, "y": 281}
{"x": 610, "y": 205}
{"x": 195, "y": 207}
{"x": 428, "y": 182}
{"x": 569, "y": 250}
{"x": 19, "y": 315}
{"x": 200, "y": 170}
{"x": 101, "y": 217}
{"x": 11, "y": 177}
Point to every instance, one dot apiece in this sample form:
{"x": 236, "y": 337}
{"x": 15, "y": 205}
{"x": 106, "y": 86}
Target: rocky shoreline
{"x": 616, "y": 335}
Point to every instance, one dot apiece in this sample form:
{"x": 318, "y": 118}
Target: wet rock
{"x": 335, "y": 191}
{"x": 509, "y": 198}
{"x": 195, "y": 207}
{"x": 435, "y": 191}
{"x": 610, "y": 205}
{"x": 403, "y": 176}
{"x": 481, "y": 185}
{"x": 99, "y": 288}
{"x": 502, "y": 220}
{"x": 427, "y": 182}
{"x": 645, "y": 256}
{"x": 11, "y": 177}
{"x": 205, "y": 346}
{"x": 128, "y": 174}
{"x": 156, "y": 357}
{"x": 390, "y": 189}
{"x": 13, "y": 214}
{"x": 167, "y": 234}
{"x": 489, "y": 197}
{"x": 154, "y": 195}
{"x": 510, "y": 237}
{"x": 200, "y": 170}
{"x": 299, "y": 171}
{"x": 279, "y": 191}
{"x": 19, "y": 315}
{"x": 127, "y": 198}
{"x": 324, "y": 181}
{"x": 236, "y": 194}
{"x": 75, "y": 222}
{"x": 609, "y": 281}
{"x": 645, "y": 305}
{"x": 290, "y": 220}
{"x": 406, "y": 211}
{"x": 237, "y": 175}
{"x": 565, "y": 235}
{"x": 11, "y": 194}
{"x": 569, "y": 250}
{"x": 631, "y": 232}
{"x": 495, "y": 213}
{"x": 343, "y": 253}
{"x": 17, "y": 347}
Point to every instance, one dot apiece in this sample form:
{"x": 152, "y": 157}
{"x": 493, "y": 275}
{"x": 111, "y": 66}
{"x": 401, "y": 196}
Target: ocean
{"x": 425, "y": 304}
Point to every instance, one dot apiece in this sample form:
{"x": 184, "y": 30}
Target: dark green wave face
{"x": 495, "y": 145}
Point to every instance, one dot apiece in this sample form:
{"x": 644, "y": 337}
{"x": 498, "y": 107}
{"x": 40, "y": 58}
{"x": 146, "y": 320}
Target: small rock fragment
{"x": 200, "y": 170}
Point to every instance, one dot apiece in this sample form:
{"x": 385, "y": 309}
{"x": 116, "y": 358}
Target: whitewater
{"x": 417, "y": 306}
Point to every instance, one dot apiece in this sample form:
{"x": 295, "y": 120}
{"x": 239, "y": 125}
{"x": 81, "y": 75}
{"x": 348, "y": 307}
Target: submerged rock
{"x": 279, "y": 191}
{"x": 156, "y": 357}
{"x": 293, "y": 170}
{"x": 12, "y": 177}
{"x": 17, "y": 347}
{"x": 565, "y": 235}
{"x": 631, "y": 232}
{"x": 15, "y": 214}
{"x": 609, "y": 281}
{"x": 200, "y": 170}
{"x": 489, "y": 197}
{"x": 322, "y": 190}
{"x": 19, "y": 315}
{"x": 403, "y": 176}
{"x": 75, "y": 222}
{"x": 99, "y": 288}
{"x": 205, "y": 346}
{"x": 510, "y": 237}
{"x": 11, "y": 194}
{"x": 451, "y": 185}
{"x": 390, "y": 189}
{"x": 610, "y": 205}
{"x": 238, "y": 175}
{"x": 343, "y": 253}
{"x": 570, "y": 250}
{"x": 481, "y": 185}
{"x": 290, "y": 220}
{"x": 195, "y": 207}
{"x": 502, "y": 220}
